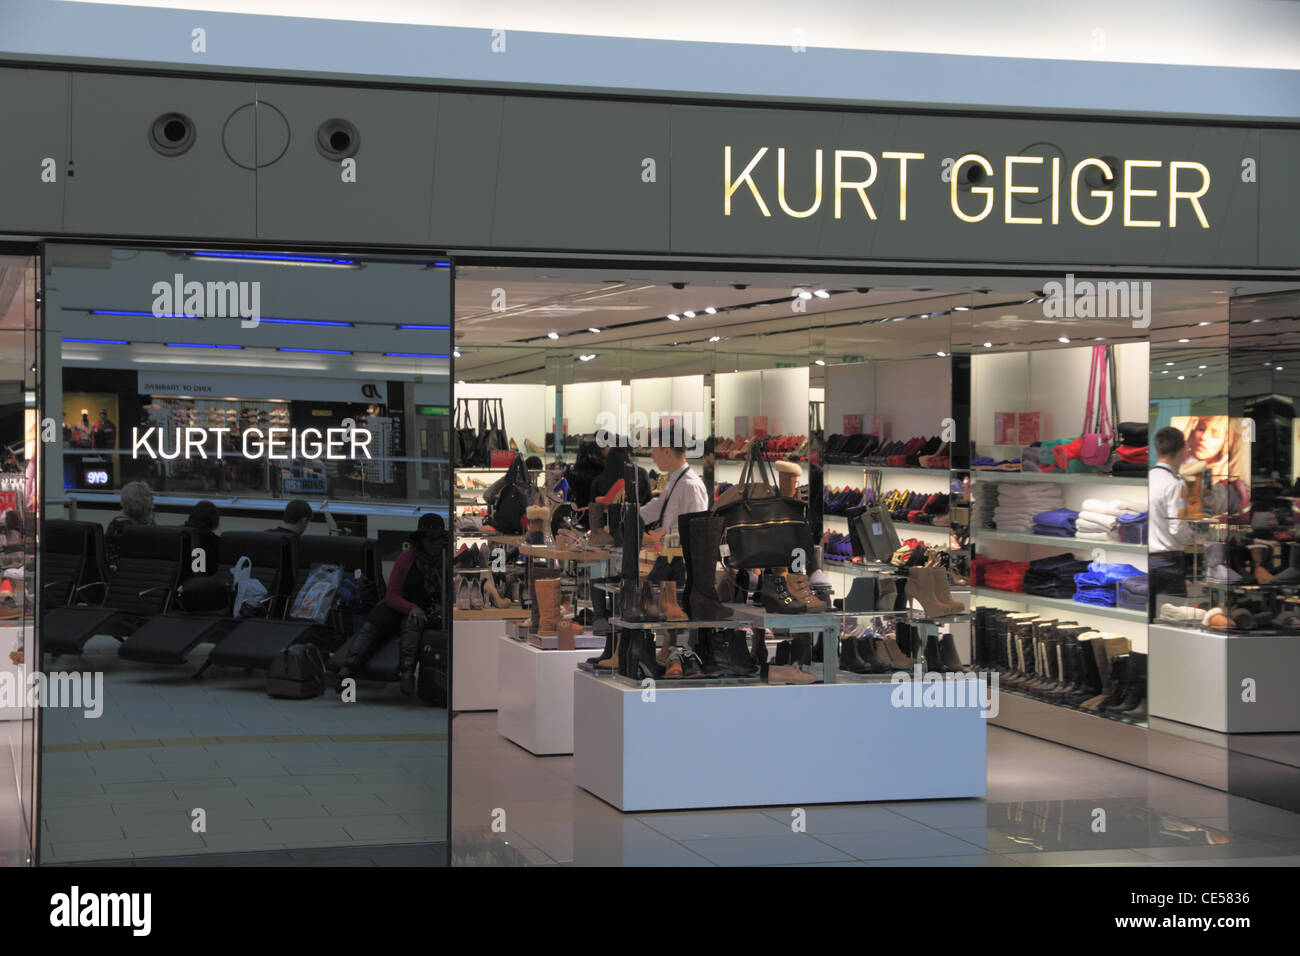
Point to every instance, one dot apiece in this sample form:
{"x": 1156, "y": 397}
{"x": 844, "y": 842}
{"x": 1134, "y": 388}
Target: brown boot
{"x": 611, "y": 662}
{"x": 597, "y": 536}
{"x": 564, "y": 634}
{"x": 548, "y": 606}
{"x": 939, "y": 575}
{"x": 539, "y": 519}
{"x": 668, "y": 605}
{"x": 1105, "y": 650}
{"x": 802, "y": 591}
{"x": 539, "y": 574}
{"x": 920, "y": 587}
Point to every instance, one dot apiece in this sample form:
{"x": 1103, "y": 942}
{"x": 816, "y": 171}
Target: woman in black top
{"x": 204, "y": 519}
{"x": 616, "y": 456}
{"x": 137, "y": 509}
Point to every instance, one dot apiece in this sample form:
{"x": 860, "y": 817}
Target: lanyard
{"x": 663, "y": 507}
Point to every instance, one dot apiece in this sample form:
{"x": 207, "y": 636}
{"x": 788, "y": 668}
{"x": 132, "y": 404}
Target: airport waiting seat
{"x": 65, "y": 555}
{"x": 150, "y": 564}
{"x": 171, "y": 638}
{"x": 256, "y": 641}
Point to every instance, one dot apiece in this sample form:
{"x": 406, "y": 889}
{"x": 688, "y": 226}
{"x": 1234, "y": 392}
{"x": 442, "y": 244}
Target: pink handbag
{"x": 1099, "y": 437}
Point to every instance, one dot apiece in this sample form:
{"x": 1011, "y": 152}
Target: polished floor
{"x": 269, "y": 774}
{"x": 1047, "y": 805}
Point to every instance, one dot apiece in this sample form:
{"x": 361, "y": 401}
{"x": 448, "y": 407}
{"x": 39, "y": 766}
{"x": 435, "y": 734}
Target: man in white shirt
{"x": 1168, "y": 534}
{"x": 684, "y": 491}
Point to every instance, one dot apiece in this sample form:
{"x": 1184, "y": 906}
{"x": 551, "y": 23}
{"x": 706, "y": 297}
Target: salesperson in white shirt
{"x": 1168, "y": 534}
{"x": 684, "y": 492}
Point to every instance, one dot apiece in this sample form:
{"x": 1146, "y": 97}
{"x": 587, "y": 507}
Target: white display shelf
{"x": 899, "y": 526}
{"x": 1064, "y": 604}
{"x": 1050, "y": 541}
{"x": 682, "y": 748}
{"x": 535, "y": 695}
{"x": 1079, "y": 478}
{"x": 937, "y": 473}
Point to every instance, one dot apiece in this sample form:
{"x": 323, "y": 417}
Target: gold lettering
{"x": 1074, "y": 191}
{"x": 902, "y": 179}
{"x": 744, "y": 178}
{"x": 986, "y": 190}
{"x": 780, "y": 186}
{"x": 1130, "y": 192}
{"x": 1012, "y": 189}
{"x": 1193, "y": 198}
{"x": 861, "y": 187}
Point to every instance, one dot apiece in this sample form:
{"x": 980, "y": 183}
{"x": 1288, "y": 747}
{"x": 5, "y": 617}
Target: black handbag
{"x": 297, "y": 672}
{"x": 466, "y": 435}
{"x": 509, "y": 497}
{"x": 431, "y": 683}
{"x": 760, "y": 527}
{"x": 207, "y": 594}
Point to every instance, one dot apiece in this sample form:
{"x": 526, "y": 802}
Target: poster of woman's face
{"x": 1218, "y": 442}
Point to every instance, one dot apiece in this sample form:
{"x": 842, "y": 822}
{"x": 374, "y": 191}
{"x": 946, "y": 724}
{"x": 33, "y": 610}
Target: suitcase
{"x": 432, "y": 681}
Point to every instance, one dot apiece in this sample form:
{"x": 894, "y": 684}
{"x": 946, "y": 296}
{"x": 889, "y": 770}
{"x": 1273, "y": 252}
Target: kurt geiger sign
{"x": 1142, "y": 193}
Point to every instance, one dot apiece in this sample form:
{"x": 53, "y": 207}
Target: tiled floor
{"x": 1047, "y": 805}
{"x": 269, "y": 774}
{"x": 13, "y": 840}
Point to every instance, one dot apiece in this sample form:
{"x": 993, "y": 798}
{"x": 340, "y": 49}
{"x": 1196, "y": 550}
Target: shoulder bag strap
{"x": 1092, "y": 389}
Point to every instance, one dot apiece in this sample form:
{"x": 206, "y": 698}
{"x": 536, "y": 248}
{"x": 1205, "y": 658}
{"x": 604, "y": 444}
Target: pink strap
{"x": 1103, "y": 397}
{"x": 1092, "y": 388}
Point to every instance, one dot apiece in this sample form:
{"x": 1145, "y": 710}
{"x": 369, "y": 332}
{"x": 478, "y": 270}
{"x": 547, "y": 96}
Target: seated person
{"x": 413, "y": 601}
{"x": 297, "y": 515}
{"x": 203, "y": 520}
{"x": 137, "y": 509}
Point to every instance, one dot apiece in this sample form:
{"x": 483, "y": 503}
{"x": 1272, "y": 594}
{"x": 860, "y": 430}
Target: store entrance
{"x": 934, "y": 427}
{"x": 232, "y": 497}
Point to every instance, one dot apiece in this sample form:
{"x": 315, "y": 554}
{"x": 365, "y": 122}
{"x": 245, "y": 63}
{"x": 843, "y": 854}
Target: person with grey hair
{"x": 137, "y": 509}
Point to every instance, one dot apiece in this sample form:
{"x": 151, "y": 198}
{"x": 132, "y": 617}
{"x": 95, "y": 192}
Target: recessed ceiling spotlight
{"x": 1164, "y": 371}
{"x": 961, "y": 308}
{"x": 710, "y": 311}
{"x": 461, "y": 382}
{"x": 1181, "y": 377}
{"x": 1169, "y": 363}
{"x": 674, "y": 318}
{"x": 805, "y": 294}
{"x": 1279, "y": 369}
{"x": 1256, "y": 321}
{"x": 586, "y": 358}
{"x": 1100, "y": 338}
{"x": 988, "y": 345}
{"x": 1202, "y": 366}
{"x": 1064, "y": 340}
{"x": 689, "y": 315}
{"x": 455, "y": 353}
{"x": 1183, "y": 341}
{"x": 898, "y": 318}
{"x": 941, "y": 354}
{"x": 822, "y": 294}
{"x": 715, "y": 338}
{"x": 819, "y": 362}
{"x": 1204, "y": 323}
{"x": 552, "y": 335}
{"x": 594, "y": 330}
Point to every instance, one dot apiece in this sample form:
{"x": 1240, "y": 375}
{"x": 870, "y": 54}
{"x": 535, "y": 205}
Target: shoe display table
{"x": 1196, "y": 676}
{"x": 696, "y": 747}
{"x": 15, "y": 675}
{"x": 535, "y": 695}
{"x": 474, "y": 654}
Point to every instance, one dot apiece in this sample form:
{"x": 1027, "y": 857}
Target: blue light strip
{"x": 329, "y": 323}
{"x": 145, "y": 315}
{"x": 326, "y": 322}
{"x": 415, "y": 355}
{"x": 197, "y": 345}
{"x": 427, "y": 328}
{"x": 318, "y": 351}
{"x": 273, "y": 257}
{"x": 99, "y": 341}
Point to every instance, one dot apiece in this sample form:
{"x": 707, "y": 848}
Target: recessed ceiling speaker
{"x": 337, "y": 139}
{"x": 171, "y": 134}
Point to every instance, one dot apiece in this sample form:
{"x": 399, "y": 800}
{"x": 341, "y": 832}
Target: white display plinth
{"x": 474, "y": 663}
{"x": 535, "y": 696}
{"x": 15, "y": 676}
{"x": 760, "y": 745}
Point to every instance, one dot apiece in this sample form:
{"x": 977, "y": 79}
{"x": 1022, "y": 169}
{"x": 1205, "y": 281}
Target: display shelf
{"x": 1118, "y": 613}
{"x": 861, "y": 568}
{"x": 901, "y": 469}
{"x": 901, "y": 526}
{"x": 493, "y": 614}
{"x": 1080, "y": 478}
{"x": 1050, "y": 541}
{"x": 671, "y": 625}
{"x": 558, "y": 554}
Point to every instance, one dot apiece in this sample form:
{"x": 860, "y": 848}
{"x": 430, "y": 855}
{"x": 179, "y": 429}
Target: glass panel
{"x": 260, "y": 445}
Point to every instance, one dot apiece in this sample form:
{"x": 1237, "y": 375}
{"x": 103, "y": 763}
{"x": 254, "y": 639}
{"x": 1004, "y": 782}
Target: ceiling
{"x": 505, "y": 314}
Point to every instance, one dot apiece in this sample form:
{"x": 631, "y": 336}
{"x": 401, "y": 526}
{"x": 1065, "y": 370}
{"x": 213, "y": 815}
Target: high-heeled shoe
{"x": 492, "y": 594}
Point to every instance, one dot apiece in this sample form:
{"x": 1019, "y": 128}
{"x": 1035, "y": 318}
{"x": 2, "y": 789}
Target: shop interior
{"x": 232, "y": 683}
{"x": 950, "y": 410}
{"x": 18, "y": 590}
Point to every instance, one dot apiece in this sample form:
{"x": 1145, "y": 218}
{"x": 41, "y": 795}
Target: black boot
{"x": 777, "y": 598}
{"x": 705, "y": 535}
{"x": 599, "y": 613}
{"x": 948, "y": 654}
{"x": 729, "y": 655}
{"x": 407, "y": 650}
{"x": 1119, "y": 673}
{"x": 637, "y": 656}
{"x": 861, "y": 596}
{"x": 1134, "y": 703}
{"x": 629, "y": 595}
{"x": 849, "y": 659}
{"x": 359, "y": 650}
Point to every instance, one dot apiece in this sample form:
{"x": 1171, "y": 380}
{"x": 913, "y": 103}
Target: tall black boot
{"x": 849, "y": 659}
{"x": 359, "y": 650}
{"x": 629, "y": 595}
{"x": 705, "y": 534}
{"x": 407, "y": 649}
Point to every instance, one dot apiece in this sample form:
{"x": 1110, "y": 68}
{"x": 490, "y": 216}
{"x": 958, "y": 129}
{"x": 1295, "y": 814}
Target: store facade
{"x": 960, "y": 225}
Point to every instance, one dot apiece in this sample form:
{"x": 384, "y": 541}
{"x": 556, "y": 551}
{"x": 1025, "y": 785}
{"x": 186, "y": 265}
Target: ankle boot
{"x": 668, "y": 606}
{"x": 776, "y": 597}
{"x": 921, "y": 588}
{"x": 638, "y": 658}
{"x": 648, "y": 602}
{"x": 547, "y": 591}
{"x": 803, "y": 593}
{"x": 613, "y": 644}
{"x": 539, "y": 520}
{"x": 704, "y": 533}
{"x": 492, "y": 594}
{"x": 861, "y": 596}
{"x": 597, "y": 536}
{"x": 939, "y": 576}
{"x": 948, "y": 654}
{"x": 850, "y": 660}
{"x": 363, "y": 643}
{"x": 1261, "y": 560}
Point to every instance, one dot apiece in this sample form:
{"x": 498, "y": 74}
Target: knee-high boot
{"x": 408, "y": 649}
{"x": 359, "y": 650}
